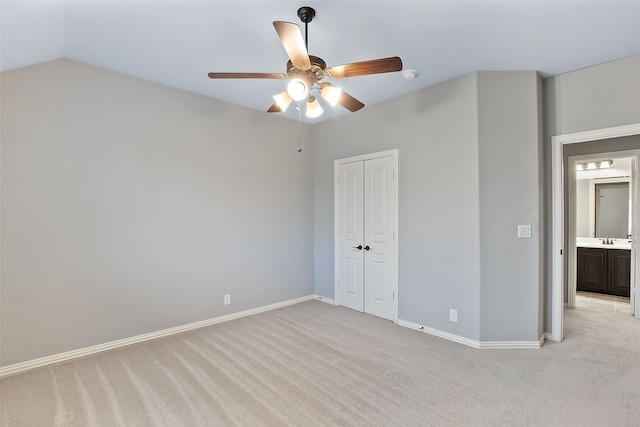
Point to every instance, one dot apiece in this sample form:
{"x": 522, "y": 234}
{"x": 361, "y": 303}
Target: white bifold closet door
{"x": 367, "y": 259}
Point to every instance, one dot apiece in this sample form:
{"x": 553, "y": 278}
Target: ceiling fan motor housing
{"x": 310, "y": 75}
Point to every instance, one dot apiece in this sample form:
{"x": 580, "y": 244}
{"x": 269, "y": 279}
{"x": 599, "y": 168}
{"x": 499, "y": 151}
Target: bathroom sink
{"x": 597, "y": 243}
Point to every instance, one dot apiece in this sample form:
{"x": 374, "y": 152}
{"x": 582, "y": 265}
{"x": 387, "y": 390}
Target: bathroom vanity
{"x": 604, "y": 269}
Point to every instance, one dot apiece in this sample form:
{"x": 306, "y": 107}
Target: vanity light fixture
{"x": 600, "y": 164}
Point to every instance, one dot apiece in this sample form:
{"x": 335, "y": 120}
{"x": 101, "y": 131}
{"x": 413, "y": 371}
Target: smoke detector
{"x": 409, "y": 74}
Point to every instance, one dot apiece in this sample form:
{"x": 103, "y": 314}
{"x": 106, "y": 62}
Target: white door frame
{"x": 388, "y": 153}
{"x": 557, "y": 211}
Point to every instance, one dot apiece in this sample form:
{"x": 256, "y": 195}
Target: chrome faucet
{"x": 607, "y": 241}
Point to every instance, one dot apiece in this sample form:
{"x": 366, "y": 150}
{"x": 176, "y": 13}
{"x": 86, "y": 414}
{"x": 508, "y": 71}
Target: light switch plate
{"x": 524, "y": 231}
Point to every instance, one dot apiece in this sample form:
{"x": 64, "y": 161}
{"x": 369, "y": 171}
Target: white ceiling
{"x": 178, "y": 42}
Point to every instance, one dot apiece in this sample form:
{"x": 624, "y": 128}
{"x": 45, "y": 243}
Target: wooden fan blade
{"x": 275, "y": 108}
{"x": 349, "y": 102}
{"x": 291, "y": 38}
{"x": 374, "y": 66}
{"x": 246, "y": 76}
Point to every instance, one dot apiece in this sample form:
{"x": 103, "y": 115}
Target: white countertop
{"x": 589, "y": 242}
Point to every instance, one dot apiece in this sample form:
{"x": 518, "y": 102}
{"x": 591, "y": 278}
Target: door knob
{"x": 366, "y": 248}
{"x": 359, "y": 247}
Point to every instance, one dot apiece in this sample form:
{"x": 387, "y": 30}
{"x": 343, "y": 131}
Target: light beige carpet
{"x": 316, "y": 364}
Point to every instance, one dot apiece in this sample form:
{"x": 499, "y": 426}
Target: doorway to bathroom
{"x": 618, "y": 139}
{"x": 601, "y": 211}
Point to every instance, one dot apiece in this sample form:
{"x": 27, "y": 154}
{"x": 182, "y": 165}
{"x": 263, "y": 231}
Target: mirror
{"x": 612, "y": 210}
{"x": 603, "y": 199}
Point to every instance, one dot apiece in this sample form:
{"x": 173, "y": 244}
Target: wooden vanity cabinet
{"x": 604, "y": 271}
{"x": 619, "y": 265}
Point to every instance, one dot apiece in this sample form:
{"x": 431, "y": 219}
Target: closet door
{"x": 366, "y": 244}
{"x": 350, "y": 218}
{"x": 379, "y": 238}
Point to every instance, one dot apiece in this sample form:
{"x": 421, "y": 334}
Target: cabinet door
{"x": 592, "y": 270}
{"x": 619, "y": 265}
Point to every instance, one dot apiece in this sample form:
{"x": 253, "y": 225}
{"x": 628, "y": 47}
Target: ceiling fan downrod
{"x": 306, "y": 15}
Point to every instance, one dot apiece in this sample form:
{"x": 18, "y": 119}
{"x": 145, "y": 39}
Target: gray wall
{"x": 435, "y": 130}
{"x": 510, "y": 186}
{"x": 129, "y": 207}
{"x": 597, "y": 97}
{"x": 461, "y": 197}
{"x": 582, "y": 208}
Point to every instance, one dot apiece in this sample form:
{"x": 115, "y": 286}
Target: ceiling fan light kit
{"x": 306, "y": 71}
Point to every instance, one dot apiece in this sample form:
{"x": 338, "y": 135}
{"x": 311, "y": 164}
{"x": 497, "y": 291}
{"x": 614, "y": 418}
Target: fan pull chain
{"x": 299, "y": 131}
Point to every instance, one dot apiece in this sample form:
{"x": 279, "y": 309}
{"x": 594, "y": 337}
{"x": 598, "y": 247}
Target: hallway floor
{"x": 601, "y": 302}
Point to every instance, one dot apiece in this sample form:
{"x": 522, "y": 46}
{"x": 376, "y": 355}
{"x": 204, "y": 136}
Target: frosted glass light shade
{"x": 331, "y": 94}
{"x": 313, "y": 108}
{"x": 283, "y": 100}
{"x": 297, "y": 89}
{"x": 606, "y": 164}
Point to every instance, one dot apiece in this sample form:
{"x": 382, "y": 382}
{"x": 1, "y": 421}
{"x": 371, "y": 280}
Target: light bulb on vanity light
{"x": 606, "y": 164}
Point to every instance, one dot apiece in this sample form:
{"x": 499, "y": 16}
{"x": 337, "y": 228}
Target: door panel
{"x": 350, "y": 232}
{"x": 379, "y": 218}
{"x": 352, "y": 273}
{"x": 378, "y": 281}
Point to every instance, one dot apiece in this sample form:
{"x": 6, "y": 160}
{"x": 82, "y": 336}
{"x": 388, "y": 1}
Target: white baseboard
{"x": 472, "y": 343}
{"x": 61, "y": 357}
{"x": 512, "y": 344}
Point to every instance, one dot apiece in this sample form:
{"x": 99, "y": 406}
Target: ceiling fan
{"x": 306, "y": 71}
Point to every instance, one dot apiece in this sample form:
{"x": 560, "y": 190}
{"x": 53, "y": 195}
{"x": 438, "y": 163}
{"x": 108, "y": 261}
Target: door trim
{"x": 363, "y": 157}
{"x": 557, "y": 212}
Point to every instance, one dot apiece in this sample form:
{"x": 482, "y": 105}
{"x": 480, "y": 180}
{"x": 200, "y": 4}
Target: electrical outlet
{"x": 453, "y": 315}
{"x": 227, "y": 299}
